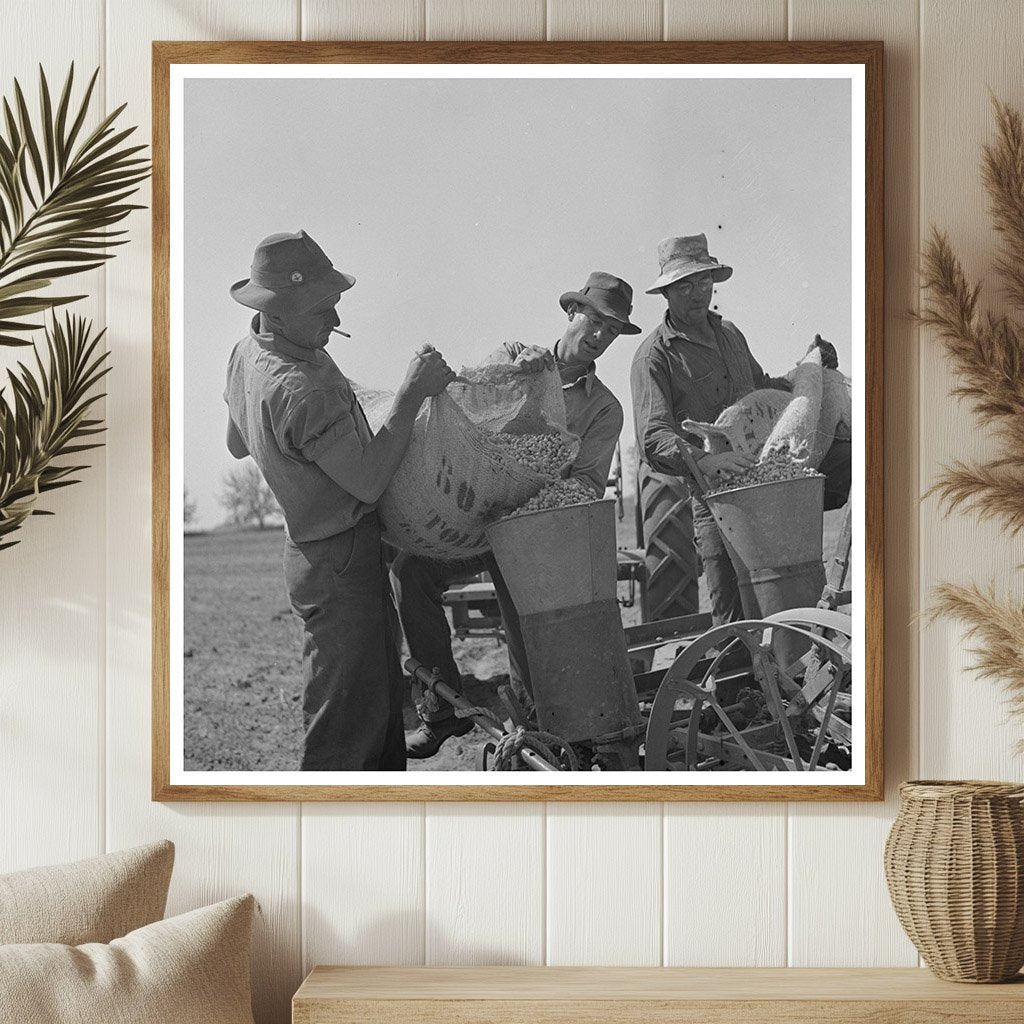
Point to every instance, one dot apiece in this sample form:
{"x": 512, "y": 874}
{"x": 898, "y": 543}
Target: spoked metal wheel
{"x": 727, "y": 704}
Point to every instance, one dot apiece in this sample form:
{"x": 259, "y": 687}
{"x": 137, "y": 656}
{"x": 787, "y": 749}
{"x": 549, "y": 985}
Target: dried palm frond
{"x": 1003, "y": 175}
{"x": 996, "y": 627}
{"x": 46, "y": 419}
{"x": 61, "y": 193}
{"x": 987, "y": 355}
{"x": 986, "y": 350}
{"x": 992, "y": 490}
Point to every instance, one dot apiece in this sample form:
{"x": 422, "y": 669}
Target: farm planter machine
{"x": 770, "y": 692}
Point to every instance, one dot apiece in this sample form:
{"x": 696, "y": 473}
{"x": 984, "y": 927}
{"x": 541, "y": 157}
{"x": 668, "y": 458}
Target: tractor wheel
{"x": 668, "y": 543}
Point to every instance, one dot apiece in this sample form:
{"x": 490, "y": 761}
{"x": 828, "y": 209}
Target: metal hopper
{"x": 560, "y": 567}
{"x": 773, "y": 533}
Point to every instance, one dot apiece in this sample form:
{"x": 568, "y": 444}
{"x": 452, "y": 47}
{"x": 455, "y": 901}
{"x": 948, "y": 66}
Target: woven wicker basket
{"x": 954, "y": 861}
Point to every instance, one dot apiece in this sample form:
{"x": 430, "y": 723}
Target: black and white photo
{"x": 521, "y": 425}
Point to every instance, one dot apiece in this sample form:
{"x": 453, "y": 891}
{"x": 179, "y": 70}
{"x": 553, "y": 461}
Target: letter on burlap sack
{"x": 454, "y": 481}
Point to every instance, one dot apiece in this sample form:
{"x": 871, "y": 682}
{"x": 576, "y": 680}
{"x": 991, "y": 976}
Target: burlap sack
{"x": 454, "y": 481}
{"x": 818, "y": 411}
{"x": 745, "y": 425}
{"x": 821, "y": 411}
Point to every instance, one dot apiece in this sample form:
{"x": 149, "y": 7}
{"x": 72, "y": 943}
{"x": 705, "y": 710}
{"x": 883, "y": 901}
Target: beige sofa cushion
{"x": 190, "y": 969}
{"x": 92, "y": 900}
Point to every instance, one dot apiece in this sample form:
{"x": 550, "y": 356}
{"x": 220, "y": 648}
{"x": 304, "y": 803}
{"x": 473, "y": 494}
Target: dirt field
{"x": 243, "y": 683}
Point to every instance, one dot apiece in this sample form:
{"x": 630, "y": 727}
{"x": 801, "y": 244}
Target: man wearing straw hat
{"x": 692, "y": 366}
{"x": 292, "y": 409}
{"x": 597, "y": 314}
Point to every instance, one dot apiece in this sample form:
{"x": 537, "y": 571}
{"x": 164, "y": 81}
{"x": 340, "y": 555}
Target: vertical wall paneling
{"x": 483, "y": 871}
{"x": 725, "y": 19}
{"x": 727, "y": 863}
{"x": 604, "y": 19}
{"x": 855, "y": 924}
{"x": 362, "y": 879}
{"x": 362, "y": 865}
{"x": 222, "y": 849}
{"x": 362, "y": 884}
{"x": 508, "y": 20}
{"x": 484, "y": 878}
{"x": 51, "y": 583}
{"x": 604, "y": 884}
{"x": 604, "y": 864}
{"x": 967, "y": 49}
{"x": 725, "y": 885}
{"x": 363, "y": 19}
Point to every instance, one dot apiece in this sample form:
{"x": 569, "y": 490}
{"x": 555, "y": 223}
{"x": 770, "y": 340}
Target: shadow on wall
{"x": 395, "y": 940}
{"x": 275, "y": 973}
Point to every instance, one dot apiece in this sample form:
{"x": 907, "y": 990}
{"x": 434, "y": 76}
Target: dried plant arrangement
{"x": 62, "y": 191}
{"x": 997, "y": 630}
{"x": 987, "y": 354}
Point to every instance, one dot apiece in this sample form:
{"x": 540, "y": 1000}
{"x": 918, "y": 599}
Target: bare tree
{"x": 189, "y": 509}
{"x": 247, "y": 497}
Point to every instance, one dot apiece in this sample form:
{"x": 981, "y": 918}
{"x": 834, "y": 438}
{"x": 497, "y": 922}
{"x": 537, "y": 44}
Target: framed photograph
{"x": 517, "y": 421}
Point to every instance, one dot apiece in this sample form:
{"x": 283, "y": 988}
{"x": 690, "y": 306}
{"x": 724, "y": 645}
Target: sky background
{"x": 465, "y": 208}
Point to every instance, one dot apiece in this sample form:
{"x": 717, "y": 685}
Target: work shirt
{"x": 675, "y": 377}
{"x": 592, "y": 412}
{"x": 291, "y": 404}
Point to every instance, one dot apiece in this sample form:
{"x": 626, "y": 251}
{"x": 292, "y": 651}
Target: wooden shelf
{"x": 647, "y": 995}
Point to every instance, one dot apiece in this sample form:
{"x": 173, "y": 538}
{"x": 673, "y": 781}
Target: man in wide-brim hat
{"x": 692, "y": 366}
{"x": 293, "y": 410}
{"x": 596, "y": 315}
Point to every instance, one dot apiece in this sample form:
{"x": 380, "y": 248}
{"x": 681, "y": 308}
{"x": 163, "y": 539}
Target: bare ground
{"x": 243, "y": 650}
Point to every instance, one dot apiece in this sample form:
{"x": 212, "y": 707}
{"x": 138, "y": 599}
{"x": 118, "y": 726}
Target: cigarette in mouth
{"x": 336, "y": 330}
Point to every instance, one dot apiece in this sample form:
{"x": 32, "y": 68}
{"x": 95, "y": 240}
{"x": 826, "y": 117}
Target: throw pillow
{"x": 190, "y": 969}
{"x": 92, "y": 900}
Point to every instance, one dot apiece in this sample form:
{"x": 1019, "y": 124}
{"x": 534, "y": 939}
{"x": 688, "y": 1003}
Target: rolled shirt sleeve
{"x": 314, "y": 425}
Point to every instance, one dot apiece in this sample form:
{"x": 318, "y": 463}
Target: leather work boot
{"x": 426, "y": 741}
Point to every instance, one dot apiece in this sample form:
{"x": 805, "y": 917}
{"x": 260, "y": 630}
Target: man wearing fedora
{"x": 692, "y": 366}
{"x": 293, "y": 410}
{"x": 597, "y": 314}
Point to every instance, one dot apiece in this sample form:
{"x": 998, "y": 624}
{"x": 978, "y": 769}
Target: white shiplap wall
{"x": 508, "y": 883}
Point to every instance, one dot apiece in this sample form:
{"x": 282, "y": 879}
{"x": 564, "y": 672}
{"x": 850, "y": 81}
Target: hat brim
{"x": 719, "y": 272}
{"x": 293, "y": 300}
{"x": 587, "y": 300}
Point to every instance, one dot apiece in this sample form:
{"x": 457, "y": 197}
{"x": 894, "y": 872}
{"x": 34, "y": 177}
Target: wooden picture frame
{"x": 858, "y": 63}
